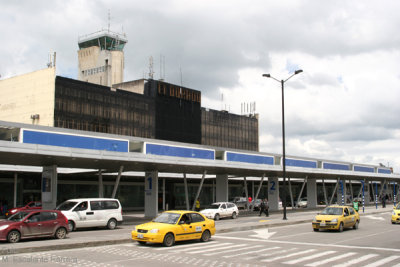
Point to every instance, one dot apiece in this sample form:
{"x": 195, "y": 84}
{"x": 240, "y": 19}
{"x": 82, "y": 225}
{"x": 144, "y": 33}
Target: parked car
{"x": 336, "y": 218}
{"x": 396, "y": 214}
{"x": 92, "y": 212}
{"x": 302, "y": 203}
{"x": 240, "y": 202}
{"x": 171, "y": 226}
{"x": 256, "y": 204}
{"x": 33, "y": 224}
{"x": 33, "y": 205}
{"x": 221, "y": 210}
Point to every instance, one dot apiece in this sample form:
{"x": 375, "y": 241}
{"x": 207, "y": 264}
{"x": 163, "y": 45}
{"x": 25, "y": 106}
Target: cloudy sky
{"x": 345, "y": 105}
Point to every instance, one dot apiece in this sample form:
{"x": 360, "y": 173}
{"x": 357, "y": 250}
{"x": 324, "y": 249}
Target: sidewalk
{"x": 100, "y": 237}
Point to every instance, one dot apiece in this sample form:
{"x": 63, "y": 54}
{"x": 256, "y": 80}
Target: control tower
{"x": 101, "y": 57}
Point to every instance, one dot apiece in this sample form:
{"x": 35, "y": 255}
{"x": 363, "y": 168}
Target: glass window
{"x": 196, "y": 217}
{"x": 95, "y": 205}
{"x": 34, "y": 218}
{"x": 48, "y": 216}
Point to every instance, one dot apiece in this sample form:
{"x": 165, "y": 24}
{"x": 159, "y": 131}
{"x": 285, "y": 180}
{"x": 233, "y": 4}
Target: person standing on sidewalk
{"x": 197, "y": 205}
{"x": 264, "y": 207}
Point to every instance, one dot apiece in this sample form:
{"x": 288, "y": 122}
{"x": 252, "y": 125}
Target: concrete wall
{"x": 100, "y": 66}
{"x": 29, "y": 94}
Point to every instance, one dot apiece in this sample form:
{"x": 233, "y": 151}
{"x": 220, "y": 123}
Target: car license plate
{"x": 139, "y": 235}
{"x": 322, "y": 224}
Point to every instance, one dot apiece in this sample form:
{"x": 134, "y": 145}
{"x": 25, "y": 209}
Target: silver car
{"x": 221, "y": 210}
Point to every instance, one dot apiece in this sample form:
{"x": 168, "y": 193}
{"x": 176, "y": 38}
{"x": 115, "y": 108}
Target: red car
{"x": 32, "y": 224}
{"x": 33, "y": 205}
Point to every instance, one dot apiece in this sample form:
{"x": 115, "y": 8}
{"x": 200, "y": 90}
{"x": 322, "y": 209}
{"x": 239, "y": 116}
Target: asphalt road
{"x": 375, "y": 243}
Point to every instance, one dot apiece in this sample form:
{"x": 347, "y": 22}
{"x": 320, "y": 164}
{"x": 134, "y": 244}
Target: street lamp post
{"x": 282, "y": 82}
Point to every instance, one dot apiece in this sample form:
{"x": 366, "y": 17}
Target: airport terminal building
{"x": 218, "y": 152}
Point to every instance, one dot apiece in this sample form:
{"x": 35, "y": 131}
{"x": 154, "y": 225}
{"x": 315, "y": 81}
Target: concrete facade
{"x": 29, "y": 98}
{"x": 99, "y": 66}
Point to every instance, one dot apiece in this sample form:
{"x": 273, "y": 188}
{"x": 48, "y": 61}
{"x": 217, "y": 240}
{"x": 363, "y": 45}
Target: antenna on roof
{"x": 162, "y": 67}
{"x": 151, "y": 71}
{"x": 109, "y": 20}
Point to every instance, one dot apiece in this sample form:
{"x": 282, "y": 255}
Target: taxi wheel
{"x": 142, "y": 243}
{"x": 341, "y": 227}
{"x": 216, "y": 217}
{"x": 71, "y": 226}
{"x": 169, "y": 240}
{"x": 61, "y": 233}
{"x": 112, "y": 223}
{"x": 205, "y": 236}
{"x": 234, "y": 215}
{"x": 316, "y": 229}
{"x": 355, "y": 226}
{"x": 13, "y": 236}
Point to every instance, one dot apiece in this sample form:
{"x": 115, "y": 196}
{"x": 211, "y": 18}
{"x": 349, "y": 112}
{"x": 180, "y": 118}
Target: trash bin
{"x": 355, "y": 205}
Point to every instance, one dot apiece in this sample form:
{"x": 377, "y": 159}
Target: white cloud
{"x": 344, "y": 106}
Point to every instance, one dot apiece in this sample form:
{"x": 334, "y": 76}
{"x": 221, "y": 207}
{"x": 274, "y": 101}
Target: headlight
{"x": 334, "y": 221}
{"x": 13, "y": 210}
{"x": 3, "y": 227}
{"x": 154, "y": 231}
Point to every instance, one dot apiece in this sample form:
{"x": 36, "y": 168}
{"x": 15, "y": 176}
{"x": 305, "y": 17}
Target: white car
{"x": 92, "y": 212}
{"x": 221, "y": 210}
{"x": 302, "y": 203}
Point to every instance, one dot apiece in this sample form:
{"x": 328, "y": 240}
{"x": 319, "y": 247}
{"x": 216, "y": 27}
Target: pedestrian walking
{"x": 383, "y": 201}
{"x": 264, "y": 207}
{"x": 197, "y": 205}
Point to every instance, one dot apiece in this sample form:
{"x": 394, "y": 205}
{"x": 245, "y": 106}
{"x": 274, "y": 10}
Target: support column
{"x": 367, "y": 193}
{"x": 101, "y": 193}
{"x": 117, "y": 182}
{"x": 221, "y": 185}
{"x": 273, "y": 193}
{"x": 341, "y": 192}
{"x": 186, "y": 191}
{"x": 311, "y": 193}
{"x": 15, "y": 189}
{"x": 151, "y": 194}
{"x": 49, "y": 187}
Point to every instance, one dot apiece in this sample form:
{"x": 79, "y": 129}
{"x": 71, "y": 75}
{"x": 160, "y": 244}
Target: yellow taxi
{"x": 336, "y": 218}
{"x": 396, "y": 214}
{"x": 175, "y": 225}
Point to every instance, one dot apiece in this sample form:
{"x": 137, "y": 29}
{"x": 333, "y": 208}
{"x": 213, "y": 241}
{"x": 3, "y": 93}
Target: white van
{"x": 92, "y": 212}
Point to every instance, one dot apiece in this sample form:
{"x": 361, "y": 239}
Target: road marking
{"x": 307, "y": 244}
{"x": 310, "y": 257}
{"x": 289, "y": 255}
{"x": 364, "y": 236}
{"x": 374, "y": 218}
{"x": 231, "y": 250}
{"x": 357, "y": 260}
{"x": 318, "y": 263}
{"x": 250, "y": 252}
{"x": 263, "y": 233}
{"x": 382, "y": 261}
{"x": 215, "y": 248}
{"x": 186, "y": 247}
{"x": 271, "y": 254}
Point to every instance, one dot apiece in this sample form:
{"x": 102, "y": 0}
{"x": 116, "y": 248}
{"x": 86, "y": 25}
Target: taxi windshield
{"x": 332, "y": 211}
{"x": 167, "y": 217}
